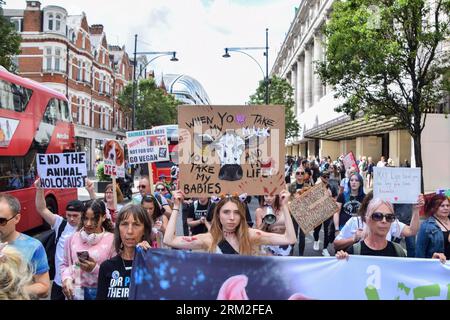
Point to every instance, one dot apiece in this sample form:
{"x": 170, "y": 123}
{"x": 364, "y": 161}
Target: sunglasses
{"x": 160, "y": 189}
{"x": 4, "y": 221}
{"x": 142, "y": 186}
{"x": 299, "y": 173}
{"x": 378, "y": 216}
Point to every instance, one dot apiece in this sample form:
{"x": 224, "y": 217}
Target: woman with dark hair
{"x": 349, "y": 201}
{"x": 156, "y": 216}
{"x": 433, "y": 240}
{"x": 133, "y": 228}
{"x": 109, "y": 201}
{"x": 85, "y": 250}
{"x": 229, "y": 233}
{"x": 270, "y": 218}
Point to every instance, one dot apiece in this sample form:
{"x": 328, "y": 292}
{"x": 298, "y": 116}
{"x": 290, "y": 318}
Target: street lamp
{"x": 159, "y": 55}
{"x": 266, "y": 54}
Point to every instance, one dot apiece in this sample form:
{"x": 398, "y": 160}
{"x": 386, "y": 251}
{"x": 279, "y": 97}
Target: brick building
{"x": 66, "y": 53}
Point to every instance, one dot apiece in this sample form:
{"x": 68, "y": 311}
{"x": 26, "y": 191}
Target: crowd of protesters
{"x": 96, "y": 242}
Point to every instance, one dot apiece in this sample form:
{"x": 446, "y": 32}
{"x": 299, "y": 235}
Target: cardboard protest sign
{"x": 147, "y": 146}
{"x": 231, "y": 149}
{"x": 114, "y": 158}
{"x": 313, "y": 207}
{"x": 396, "y": 185}
{"x": 350, "y": 161}
{"x": 62, "y": 170}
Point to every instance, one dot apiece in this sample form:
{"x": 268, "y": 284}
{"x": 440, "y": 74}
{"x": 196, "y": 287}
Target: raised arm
{"x": 261, "y": 237}
{"x": 90, "y": 189}
{"x": 414, "y": 225}
{"x": 197, "y": 242}
{"x": 41, "y": 206}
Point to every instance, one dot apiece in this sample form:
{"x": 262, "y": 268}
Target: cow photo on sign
{"x": 231, "y": 149}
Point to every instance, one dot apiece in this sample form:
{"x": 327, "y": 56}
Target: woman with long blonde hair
{"x": 229, "y": 233}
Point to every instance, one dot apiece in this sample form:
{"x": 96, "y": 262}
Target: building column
{"x": 317, "y": 89}
{"x": 300, "y": 85}
{"x": 294, "y": 76}
{"x": 308, "y": 77}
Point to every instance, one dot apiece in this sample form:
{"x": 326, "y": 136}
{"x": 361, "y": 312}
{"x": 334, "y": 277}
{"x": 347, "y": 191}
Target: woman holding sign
{"x": 229, "y": 233}
{"x": 433, "y": 240}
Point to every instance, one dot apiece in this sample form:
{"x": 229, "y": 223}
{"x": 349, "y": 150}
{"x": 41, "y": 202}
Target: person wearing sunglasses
{"x": 433, "y": 240}
{"x": 353, "y": 230}
{"x": 31, "y": 249}
{"x": 379, "y": 217}
{"x": 144, "y": 189}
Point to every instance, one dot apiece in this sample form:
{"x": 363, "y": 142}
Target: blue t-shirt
{"x": 32, "y": 251}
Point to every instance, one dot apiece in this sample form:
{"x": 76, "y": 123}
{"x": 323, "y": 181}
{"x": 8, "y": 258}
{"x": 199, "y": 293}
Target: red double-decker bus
{"x": 33, "y": 119}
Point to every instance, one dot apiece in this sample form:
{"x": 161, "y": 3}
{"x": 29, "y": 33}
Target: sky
{"x": 198, "y": 30}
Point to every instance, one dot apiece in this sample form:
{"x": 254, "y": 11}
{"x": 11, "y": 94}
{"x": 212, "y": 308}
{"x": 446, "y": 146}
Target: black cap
{"x": 75, "y": 205}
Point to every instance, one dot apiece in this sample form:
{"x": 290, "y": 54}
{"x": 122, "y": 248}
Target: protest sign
{"x": 396, "y": 185}
{"x": 231, "y": 149}
{"x": 350, "y": 161}
{"x": 162, "y": 274}
{"x": 62, "y": 170}
{"x": 114, "y": 158}
{"x": 147, "y": 146}
{"x": 313, "y": 207}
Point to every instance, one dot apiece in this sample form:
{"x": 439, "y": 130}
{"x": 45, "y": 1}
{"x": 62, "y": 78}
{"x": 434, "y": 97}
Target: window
{"x": 14, "y": 97}
{"x": 83, "y": 45}
{"x": 18, "y": 172}
{"x": 48, "y": 58}
{"x": 79, "y": 71}
{"x": 87, "y": 113}
{"x": 100, "y": 83}
{"x": 17, "y": 23}
{"x": 58, "y": 59}
{"x": 56, "y": 110}
{"x": 80, "y": 110}
{"x": 58, "y": 22}
{"x": 50, "y": 21}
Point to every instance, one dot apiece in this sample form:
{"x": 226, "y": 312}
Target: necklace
{"x": 227, "y": 234}
{"x": 125, "y": 267}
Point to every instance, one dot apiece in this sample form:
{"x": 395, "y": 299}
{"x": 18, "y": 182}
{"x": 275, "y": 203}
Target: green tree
{"x": 386, "y": 59}
{"x": 280, "y": 93}
{"x": 154, "y": 106}
{"x": 9, "y": 41}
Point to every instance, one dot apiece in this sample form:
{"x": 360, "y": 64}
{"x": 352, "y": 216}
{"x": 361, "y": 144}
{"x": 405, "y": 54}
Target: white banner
{"x": 147, "y": 146}
{"x": 62, "y": 170}
{"x": 396, "y": 185}
{"x": 114, "y": 158}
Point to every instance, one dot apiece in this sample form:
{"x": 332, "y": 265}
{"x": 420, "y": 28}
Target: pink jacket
{"x": 101, "y": 251}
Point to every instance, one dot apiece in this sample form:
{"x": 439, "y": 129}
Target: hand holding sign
{"x": 396, "y": 185}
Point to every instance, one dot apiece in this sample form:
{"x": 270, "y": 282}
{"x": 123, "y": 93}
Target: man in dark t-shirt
{"x": 196, "y": 217}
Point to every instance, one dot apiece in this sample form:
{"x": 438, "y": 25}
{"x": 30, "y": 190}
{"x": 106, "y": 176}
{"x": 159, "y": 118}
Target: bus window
{"x": 14, "y": 97}
{"x": 64, "y": 111}
{"x": 18, "y": 172}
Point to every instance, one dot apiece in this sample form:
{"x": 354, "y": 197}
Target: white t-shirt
{"x": 354, "y": 223}
{"x": 59, "y": 254}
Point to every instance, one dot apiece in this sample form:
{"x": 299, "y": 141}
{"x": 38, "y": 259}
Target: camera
{"x": 269, "y": 218}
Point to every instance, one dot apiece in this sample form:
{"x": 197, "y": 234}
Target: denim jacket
{"x": 430, "y": 239}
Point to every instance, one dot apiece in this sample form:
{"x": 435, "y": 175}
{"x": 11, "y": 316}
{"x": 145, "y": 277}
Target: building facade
{"x": 325, "y": 132}
{"x": 67, "y": 54}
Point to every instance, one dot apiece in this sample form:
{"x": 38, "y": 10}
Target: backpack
{"x": 398, "y": 249}
{"x": 49, "y": 239}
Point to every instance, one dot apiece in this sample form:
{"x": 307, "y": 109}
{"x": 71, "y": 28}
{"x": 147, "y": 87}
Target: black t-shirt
{"x": 247, "y": 214}
{"x": 350, "y": 208}
{"x": 446, "y": 244}
{"x": 196, "y": 214}
{"x": 389, "y": 251}
{"x": 114, "y": 279}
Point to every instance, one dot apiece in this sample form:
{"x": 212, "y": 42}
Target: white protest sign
{"x": 62, "y": 170}
{"x": 114, "y": 158}
{"x": 396, "y": 185}
{"x": 147, "y": 146}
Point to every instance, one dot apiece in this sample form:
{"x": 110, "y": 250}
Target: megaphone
{"x": 269, "y": 218}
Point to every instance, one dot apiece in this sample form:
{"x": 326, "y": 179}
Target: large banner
{"x": 62, "y": 170}
{"x": 147, "y": 146}
{"x": 313, "y": 207}
{"x": 397, "y": 185}
{"x": 114, "y": 158}
{"x": 162, "y": 274}
{"x": 231, "y": 149}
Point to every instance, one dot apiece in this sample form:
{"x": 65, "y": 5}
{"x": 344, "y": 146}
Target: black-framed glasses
{"x": 378, "y": 216}
{"x": 4, "y": 221}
